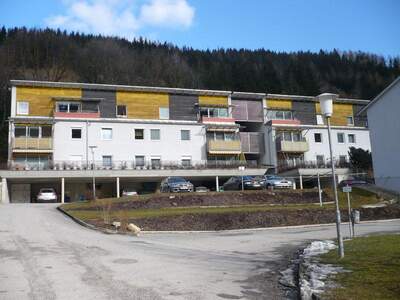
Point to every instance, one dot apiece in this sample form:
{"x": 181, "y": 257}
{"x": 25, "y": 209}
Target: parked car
{"x": 277, "y": 182}
{"x": 201, "y": 189}
{"x": 249, "y": 182}
{"x": 129, "y": 192}
{"x": 352, "y": 181}
{"x": 46, "y": 195}
{"x": 175, "y": 185}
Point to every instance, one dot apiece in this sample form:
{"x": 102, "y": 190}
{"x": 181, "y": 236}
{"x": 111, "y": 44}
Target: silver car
{"x": 175, "y": 185}
{"x": 46, "y": 195}
{"x": 277, "y": 182}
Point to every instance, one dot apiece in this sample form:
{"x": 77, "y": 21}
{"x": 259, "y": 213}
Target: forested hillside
{"x": 59, "y": 56}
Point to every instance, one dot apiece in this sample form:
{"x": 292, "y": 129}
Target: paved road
{"x": 45, "y": 255}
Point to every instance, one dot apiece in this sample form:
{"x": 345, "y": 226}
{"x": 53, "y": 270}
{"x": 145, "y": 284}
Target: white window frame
{"x": 337, "y": 137}
{"x": 144, "y": 160}
{"x": 352, "y": 120}
{"x": 134, "y": 134}
{"x": 186, "y": 158}
{"x": 21, "y": 111}
{"x": 320, "y": 119}
{"x": 102, "y": 136}
{"x": 190, "y": 135}
{"x": 159, "y": 134}
{"x": 322, "y": 140}
{"x": 163, "y": 113}
{"x": 76, "y": 139}
{"x": 126, "y": 111}
{"x": 354, "y": 138}
{"x": 111, "y": 161}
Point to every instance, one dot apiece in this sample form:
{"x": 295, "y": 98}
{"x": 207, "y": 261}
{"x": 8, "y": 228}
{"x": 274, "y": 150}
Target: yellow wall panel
{"x": 142, "y": 105}
{"x": 213, "y": 100}
{"x": 340, "y": 113}
{"x": 280, "y": 104}
{"x": 40, "y": 98}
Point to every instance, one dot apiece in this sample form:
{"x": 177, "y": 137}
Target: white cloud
{"x": 171, "y": 13}
{"x": 122, "y": 17}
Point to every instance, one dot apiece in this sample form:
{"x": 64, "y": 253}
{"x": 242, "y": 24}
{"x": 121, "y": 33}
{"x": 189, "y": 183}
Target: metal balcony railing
{"x": 292, "y": 146}
{"x": 252, "y": 142}
{"x": 286, "y": 165}
{"x": 29, "y": 143}
{"x": 129, "y": 165}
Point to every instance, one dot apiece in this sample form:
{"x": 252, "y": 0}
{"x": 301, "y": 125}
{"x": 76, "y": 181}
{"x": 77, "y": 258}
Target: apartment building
{"x": 63, "y": 134}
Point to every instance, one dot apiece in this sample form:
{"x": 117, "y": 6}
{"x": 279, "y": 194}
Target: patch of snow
{"x": 318, "y": 247}
{"x": 288, "y": 278}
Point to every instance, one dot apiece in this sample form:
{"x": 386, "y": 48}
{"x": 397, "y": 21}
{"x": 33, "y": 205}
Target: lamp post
{"x": 326, "y": 103}
{"x": 93, "y": 177}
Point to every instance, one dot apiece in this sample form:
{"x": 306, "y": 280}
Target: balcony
{"x": 217, "y": 120}
{"x": 224, "y": 147}
{"x": 79, "y": 114}
{"x": 292, "y": 147}
{"x": 28, "y": 144}
{"x": 252, "y": 142}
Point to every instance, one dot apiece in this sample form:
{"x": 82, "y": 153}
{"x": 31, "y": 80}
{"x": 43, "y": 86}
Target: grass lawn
{"x": 374, "y": 263}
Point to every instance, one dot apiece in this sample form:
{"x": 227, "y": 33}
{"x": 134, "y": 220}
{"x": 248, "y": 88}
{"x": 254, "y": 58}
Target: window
{"x": 318, "y": 137}
{"x": 214, "y": 112}
{"x": 46, "y": 131}
{"x": 320, "y": 120}
{"x": 340, "y": 137}
{"x": 139, "y": 134}
{"x": 342, "y": 159}
{"x": 107, "y": 161}
{"x": 219, "y": 136}
{"x": 33, "y": 132}
{"x": 69, "y": 107}
{"x": 155, "y": 162}
{"x": 164, "y": 113}
{"x": 350, "y": 120}
{"x": 22, "y": 108}
{"x": 229, "y": 136}
{"x": 139, "y": 161}
{"x": 320, "y": 160}
{"x": 121, "y": 110}
{"x": 76, "y": 133}
{"x": 106, "y": 134}
{"x": 20, "y": 131}
{"x": 186, "y": 161}
{"x": 351, "y": 138}
{"x": 287, "y": 136}
{"x": 155, "y": 134}
{"x": 297, "y": 137}
{"x": 280, "y": 115}
{"x": 185, "y": 135}
{"x": 222, "y": 112}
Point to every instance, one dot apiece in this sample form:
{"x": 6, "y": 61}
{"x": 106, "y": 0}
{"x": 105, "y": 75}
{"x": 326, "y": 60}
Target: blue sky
{"x": 281, "y": 25}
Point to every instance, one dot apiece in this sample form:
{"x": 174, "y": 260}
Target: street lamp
{"x": 93, "y": 177}
{"x": 326, "y": 104}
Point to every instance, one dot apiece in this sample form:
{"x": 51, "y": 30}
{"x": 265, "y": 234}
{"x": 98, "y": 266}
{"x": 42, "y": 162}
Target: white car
{"x": 46, "y": 195}
{"x": 277, "y": 182}
{"x": 129, "y": 192}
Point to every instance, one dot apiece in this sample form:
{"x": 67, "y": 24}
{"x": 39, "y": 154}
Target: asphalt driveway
{"x": 45, "y": 255}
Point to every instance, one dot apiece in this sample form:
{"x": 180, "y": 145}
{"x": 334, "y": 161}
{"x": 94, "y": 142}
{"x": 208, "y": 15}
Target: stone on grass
{"x": 135, "y": 229}
{"x": 116, "y": 224}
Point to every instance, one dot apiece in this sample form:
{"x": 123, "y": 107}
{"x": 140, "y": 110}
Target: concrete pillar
{"x": 217, "y": 183}
{"x": 301, "y": 182}
{"x": 118, "y": 195}
{"x": 62, "y": 189}
{"x": 4, "y": 191}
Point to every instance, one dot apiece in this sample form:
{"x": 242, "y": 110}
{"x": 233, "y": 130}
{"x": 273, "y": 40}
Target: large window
{"x": 350, "y": 120}
{"x": 156, "y": 162}
{"x": 214, "y": 112}
{"x": 186, "y": 161}
{"x": 76, "y": 133}
{"x": 32, "y": 131}
{"x": 185, "y": 135}
{"x": 106, "y": 134}
{"x": 164, "y": 113}
{"x": 139, "y": 134}
{"x": 155, "y": 134}
{"x": 221, "y": 136}
{"x": 280, "y": 115}
{"x": 69, "y": 107}
{"x": 20, "y": 131}
{"x": 22, "y": 108}
{"x": 290, "y": 136}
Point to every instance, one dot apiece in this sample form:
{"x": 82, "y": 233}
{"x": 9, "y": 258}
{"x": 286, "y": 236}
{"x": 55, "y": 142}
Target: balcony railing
{"x": 291, "y": 146}
{"x": 78, "y": 114}
{"x": 313, "y": 164}
{"x": 252, "y": 142}
{"x": 28, "y": 143}
{"x": 129, "y": 165}
{"x": 217, "y": 120}
{"x": 224, "y": 147}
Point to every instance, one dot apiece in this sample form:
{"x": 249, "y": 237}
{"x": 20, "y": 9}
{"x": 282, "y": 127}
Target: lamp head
{"x": 326, "y": 103}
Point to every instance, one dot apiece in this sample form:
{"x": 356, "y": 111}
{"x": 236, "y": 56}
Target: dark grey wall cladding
{"x": 182, "y": 107}
{"x": 360, "y": 120}
{"x": 107, "y": 104}
{"x": 304, "y": 112}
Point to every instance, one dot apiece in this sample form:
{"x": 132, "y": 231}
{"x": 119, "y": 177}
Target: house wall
{"x": 384, "y": 125}
{"x": 106, "y": 105}
{"x": 340, "y": 113}
{"x": 183, "y": 107}
{"x": 362, "y": 141}
{"x": 123, "y": 146}
{"x": 213, "y": 100}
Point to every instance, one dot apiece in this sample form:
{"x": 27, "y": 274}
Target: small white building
{"x": 384, "y": 127}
